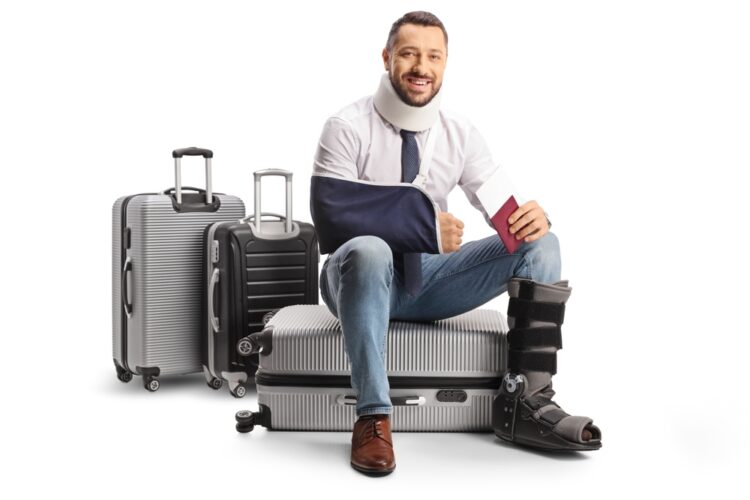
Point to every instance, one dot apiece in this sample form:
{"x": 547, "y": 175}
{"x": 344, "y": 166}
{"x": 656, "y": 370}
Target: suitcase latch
{"x": 214, "y": 251}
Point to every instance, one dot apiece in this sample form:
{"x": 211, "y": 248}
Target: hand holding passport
{"x": 499, "y": 200}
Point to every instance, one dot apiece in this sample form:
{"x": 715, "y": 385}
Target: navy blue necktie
{"x": 412, "y": 262}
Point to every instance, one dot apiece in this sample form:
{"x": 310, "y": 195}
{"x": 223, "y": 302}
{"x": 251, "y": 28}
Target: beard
{"x": 403, "y": 94}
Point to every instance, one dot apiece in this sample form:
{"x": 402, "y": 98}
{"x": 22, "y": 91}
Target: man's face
{"x": 416, "y": 63}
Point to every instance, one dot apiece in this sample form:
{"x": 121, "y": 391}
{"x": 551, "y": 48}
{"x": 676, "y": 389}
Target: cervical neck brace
{"x": 397, "y": 112}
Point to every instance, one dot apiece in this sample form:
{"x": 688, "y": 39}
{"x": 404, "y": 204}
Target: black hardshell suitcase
{"x": 253, "y": 267}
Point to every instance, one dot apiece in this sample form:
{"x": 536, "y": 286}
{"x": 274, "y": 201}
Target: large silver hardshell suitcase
{"x": 443, "y": 375}
{"x": 156, "y": 275}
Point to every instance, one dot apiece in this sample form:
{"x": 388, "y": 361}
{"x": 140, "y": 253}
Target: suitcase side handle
{"x": 348, "y": 400}
{"x": 211, "y": 294}
{"x": 128, "y": 267}
{"x": 177, "y": 154}
{"x": 274, "y": 172}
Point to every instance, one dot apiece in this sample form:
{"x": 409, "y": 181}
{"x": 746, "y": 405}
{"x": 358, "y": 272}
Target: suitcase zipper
{"x": 397, "y": 382}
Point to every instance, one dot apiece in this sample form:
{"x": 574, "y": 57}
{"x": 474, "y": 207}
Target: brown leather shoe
{"x": 372, "y": 445}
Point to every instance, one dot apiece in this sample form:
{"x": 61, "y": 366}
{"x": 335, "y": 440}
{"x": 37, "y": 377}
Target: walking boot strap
{"x": 527, "y": 309}
{"x": 522, "y": 337}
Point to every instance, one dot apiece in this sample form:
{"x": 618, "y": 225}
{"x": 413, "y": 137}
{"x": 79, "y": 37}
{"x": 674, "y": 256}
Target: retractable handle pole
{"x": 177, "y": 154}
{"x": 269, "y": 172}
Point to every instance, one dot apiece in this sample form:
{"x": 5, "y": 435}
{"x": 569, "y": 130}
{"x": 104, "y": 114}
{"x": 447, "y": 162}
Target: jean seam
{"x": 383, "y": 347}
{"x": 463, "y": 270}
{"x": 324, "y": 288}
{"x": 385, "y": 337}
{"x": 529, "y": 274}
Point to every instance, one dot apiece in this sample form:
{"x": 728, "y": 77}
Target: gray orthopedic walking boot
{"x": 523, "y": 412}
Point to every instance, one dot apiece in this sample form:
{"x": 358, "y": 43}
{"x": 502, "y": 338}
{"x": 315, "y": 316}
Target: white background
{"x": 628, "y": 121}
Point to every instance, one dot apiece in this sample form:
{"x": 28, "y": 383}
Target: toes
{"x": 586, "y": 435}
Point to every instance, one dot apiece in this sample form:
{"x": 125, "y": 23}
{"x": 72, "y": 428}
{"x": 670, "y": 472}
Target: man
{"x": 396, "y": 253}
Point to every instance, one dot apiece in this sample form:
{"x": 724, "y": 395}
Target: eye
{"x": 435, "y": 57}
{"x": 408, "y": 53}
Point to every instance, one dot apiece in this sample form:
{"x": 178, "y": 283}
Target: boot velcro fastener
{"x": 550, "y": 312}
{"x": 552, "y": 417}
{"x": 539, "y": 401}
{"x": 519, "y": 361}
{"x": 542, "y": 336}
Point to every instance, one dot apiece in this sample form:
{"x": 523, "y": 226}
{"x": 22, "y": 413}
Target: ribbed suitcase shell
{"x": 307, "y": 343}
{"x": 256, "y": 276}
{"x": 164, "y": 331}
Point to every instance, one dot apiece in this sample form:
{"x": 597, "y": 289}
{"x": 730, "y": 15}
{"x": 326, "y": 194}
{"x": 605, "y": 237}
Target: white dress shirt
{"x": 359, "y": 144}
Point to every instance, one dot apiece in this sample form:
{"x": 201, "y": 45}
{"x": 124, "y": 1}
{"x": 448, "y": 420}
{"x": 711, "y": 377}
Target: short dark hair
{"x": 419, "y": 17}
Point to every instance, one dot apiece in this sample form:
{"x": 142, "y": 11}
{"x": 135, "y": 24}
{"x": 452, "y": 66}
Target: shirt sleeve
{"x": 478, "y": 167}
{"x": 337, "y": 151}
{"x": 343, "y": 207}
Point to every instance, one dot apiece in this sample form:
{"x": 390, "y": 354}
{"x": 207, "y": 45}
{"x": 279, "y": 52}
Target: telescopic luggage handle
{"x": 177, "y": 154}
{"x": 277, "y": 172}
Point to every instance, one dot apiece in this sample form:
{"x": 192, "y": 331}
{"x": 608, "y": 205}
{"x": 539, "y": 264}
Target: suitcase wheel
{"x": 245, "y": 346}
{"x": 123, "y": 375}
{"x": 239, "y": 391}
{"x": 215, "y": 383}
{"x": 245, "y": 421}
{"x": 151, "y": 384}
{"x": 244, "y": 428}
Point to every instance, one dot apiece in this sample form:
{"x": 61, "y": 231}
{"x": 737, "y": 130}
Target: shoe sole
{"x": 539, "y": 446}
{"x": 373, "y": 472}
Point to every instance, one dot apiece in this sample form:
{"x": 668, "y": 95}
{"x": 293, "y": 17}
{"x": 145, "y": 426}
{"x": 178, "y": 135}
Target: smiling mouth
{"x": 418, "y": 83}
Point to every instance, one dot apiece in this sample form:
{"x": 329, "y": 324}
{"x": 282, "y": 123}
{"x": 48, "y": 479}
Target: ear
{"x": 386, "y": 58}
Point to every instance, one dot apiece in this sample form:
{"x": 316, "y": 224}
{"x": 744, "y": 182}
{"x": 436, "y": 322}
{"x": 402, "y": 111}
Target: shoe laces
{"x": 373, "y": 428}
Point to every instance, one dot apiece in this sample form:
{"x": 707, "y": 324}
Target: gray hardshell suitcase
{"x": 156, "y": 275}
{"x": 443, "y": 374}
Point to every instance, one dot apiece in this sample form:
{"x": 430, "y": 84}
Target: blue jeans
{"x": 360, "y": 288}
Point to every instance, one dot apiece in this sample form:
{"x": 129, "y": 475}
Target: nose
{"x": 419, "y": 64}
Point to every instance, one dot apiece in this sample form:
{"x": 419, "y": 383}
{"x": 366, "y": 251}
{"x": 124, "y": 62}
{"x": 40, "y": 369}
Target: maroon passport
{"x": 500, "y": 221}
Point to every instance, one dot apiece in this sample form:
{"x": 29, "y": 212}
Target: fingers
{"x": 536, "y": 234}
{"x": 528, "y": 223}
{"x": 451, "y": 244}
{"x": 452, "y": 236}
{"x": 451, "y": 232}
{"x": 522, "y": 210}
{"x": 533, "y": 230}
{"x": 532, "y": 218}
{"x": 531, "y": 214}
